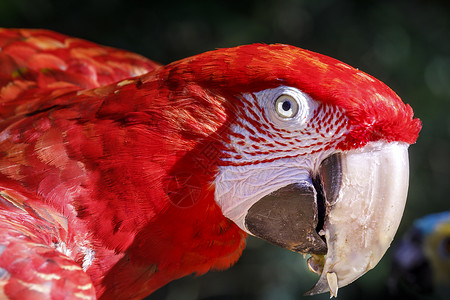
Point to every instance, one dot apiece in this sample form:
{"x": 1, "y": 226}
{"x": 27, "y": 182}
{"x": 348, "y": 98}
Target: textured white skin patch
{"x": 290, "y": 149}
{"x": 259, "y": 125}
{"x": 239, "y": 187}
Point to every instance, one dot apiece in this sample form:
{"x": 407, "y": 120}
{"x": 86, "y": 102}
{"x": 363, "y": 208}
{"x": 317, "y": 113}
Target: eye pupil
{"x": 286, "y": 105}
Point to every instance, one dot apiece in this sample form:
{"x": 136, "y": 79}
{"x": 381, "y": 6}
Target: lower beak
{"x": 360, "y": 225}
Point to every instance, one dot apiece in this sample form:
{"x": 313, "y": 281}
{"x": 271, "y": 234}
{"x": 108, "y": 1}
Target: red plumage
{"x": 115, "y": 155}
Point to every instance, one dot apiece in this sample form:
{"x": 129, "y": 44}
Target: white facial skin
{"x": 289, "y": 149}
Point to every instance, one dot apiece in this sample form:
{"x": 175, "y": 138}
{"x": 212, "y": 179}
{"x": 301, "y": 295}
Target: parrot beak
{"x": 362, "y": 221}
{"x": 346, "y": 217}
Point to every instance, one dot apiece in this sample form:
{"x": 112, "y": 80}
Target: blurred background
{"x": 404, "y": 43}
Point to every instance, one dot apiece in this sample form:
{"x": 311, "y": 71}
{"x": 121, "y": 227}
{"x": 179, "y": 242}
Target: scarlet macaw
{"x": 119, "y": 175}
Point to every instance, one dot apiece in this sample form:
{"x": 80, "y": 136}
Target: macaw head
{"x": 312, "y": 152}
{"x": 288, "y": 145}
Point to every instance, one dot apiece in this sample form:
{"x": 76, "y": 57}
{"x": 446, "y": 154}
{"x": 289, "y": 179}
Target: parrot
{"x": 119, "y": 175}
{"x": 421, "y": 258}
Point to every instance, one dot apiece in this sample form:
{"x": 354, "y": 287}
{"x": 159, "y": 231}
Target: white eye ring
{"x": 286, "y": 106}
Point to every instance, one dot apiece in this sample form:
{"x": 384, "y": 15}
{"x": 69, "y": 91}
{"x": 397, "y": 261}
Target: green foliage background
{"x": 404, "y": 43}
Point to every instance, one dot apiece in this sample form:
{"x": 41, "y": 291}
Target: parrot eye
{"x": 286, "y": 106}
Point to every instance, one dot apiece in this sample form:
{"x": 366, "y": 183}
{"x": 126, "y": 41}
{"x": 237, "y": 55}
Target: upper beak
{"x": 355, "y": 208}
